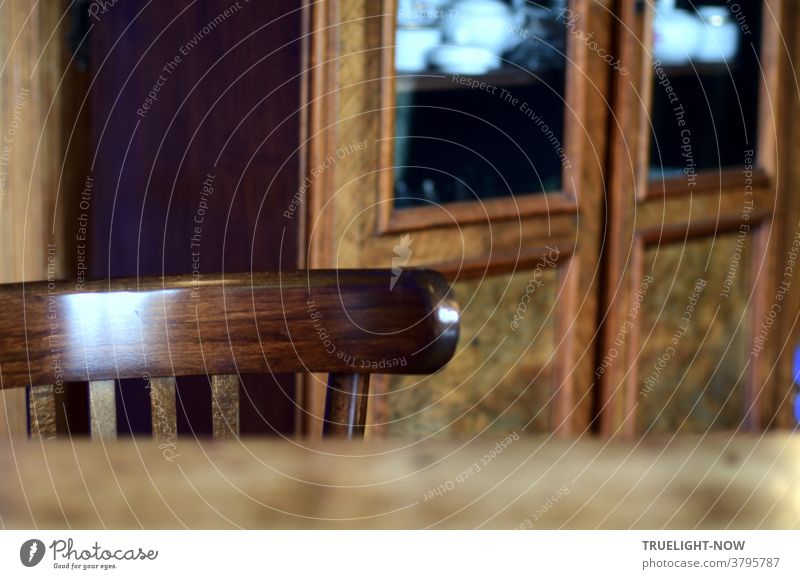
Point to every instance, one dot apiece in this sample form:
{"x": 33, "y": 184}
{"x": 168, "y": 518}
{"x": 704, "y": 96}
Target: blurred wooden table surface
{"x": 712, "y": 482}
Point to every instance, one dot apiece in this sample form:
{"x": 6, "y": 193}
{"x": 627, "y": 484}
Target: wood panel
{"x": 32, "y": 120}
{"x": 32, "y": 152}
{"x": 694, "y": 330}
{"x": 501, "y": 378}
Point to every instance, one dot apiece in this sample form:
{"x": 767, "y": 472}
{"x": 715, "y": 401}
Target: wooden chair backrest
{"x": 349, "y": 323}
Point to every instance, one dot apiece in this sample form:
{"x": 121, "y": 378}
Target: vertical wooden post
{"x": 163, "y": 410}
{"x": 225, "y": 405}
{"x": 103, "y": 409}
{"x": 346, "y": 406}
{"x": 42, "y": 410}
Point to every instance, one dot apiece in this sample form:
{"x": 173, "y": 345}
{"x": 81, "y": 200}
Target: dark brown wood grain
{"x": 320, "y": 321}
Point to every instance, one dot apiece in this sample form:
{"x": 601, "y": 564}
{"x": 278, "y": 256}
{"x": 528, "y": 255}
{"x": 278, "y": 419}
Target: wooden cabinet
{"x": 550, "y": 234}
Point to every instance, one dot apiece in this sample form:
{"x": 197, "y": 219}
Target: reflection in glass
{"x": 480, "y": 109}
{"x": 706, "y": 78}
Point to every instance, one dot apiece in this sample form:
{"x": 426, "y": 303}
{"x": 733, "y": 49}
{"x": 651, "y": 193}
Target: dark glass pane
{"x": 480, "y": 100}
{"x": 706, "y": 83}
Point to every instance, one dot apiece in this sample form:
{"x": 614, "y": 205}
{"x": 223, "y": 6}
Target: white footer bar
{"x": 407, "y": 554}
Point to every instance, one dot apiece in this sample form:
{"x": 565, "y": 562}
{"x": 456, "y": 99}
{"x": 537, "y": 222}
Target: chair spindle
{"x": 103, "y": 409}
{"x": 225, "y": 405}
{"x": 346, "y": 405}
{"x": 42, "y": 409}
{"x": 163, "y": 410}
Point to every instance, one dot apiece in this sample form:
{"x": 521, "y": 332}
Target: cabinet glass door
{"x": 706, "y": 81}
{"x": 479, "y": 99}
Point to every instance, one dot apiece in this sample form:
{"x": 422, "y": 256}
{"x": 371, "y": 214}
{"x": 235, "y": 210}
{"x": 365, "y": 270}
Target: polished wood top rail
{"x": 339, "y": 321}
